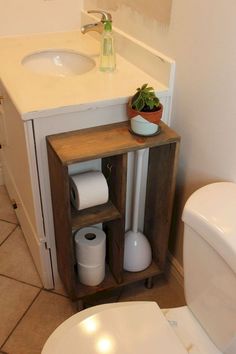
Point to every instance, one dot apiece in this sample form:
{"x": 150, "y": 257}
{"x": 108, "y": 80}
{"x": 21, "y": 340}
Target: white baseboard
{"x": 175, "y": 269}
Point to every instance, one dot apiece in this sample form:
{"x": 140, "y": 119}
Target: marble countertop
{"x": 36, "y": 95}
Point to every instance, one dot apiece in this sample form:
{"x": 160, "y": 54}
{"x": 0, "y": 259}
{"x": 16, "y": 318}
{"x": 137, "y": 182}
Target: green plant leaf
{"x": 140, "y": 104}
{"x": 157, "y": 101}
{"x": 136, "y": 97}
{"x": 145, "y": 97}
{"x": 150, "y": 104}
{"x": 144, "y": 94}
{"x": 150, "y": 88}
{"x": 144, "y": 86}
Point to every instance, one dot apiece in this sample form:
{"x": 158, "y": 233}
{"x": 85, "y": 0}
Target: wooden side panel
{"x": 115, "y": 231}
{"x": 115, "y": 170}
{"x": 159, "y": 198}
{"x": 62, "y": 221}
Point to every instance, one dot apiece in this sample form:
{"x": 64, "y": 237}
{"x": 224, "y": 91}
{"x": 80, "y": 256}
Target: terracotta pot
{"x": 152, "y": 117}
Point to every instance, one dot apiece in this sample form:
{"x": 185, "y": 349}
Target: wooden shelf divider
{"x": 94, "y": 215}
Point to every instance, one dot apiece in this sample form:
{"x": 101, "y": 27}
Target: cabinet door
{"x": 16, "y": 156}
{"x": 21, "y": 180}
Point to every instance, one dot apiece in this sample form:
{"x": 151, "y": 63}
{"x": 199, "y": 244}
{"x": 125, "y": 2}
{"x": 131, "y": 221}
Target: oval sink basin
{"x": 58, "y": 63}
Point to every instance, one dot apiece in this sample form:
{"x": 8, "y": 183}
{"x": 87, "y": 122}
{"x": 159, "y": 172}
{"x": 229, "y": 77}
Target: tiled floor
{"x": 28, "y": 313}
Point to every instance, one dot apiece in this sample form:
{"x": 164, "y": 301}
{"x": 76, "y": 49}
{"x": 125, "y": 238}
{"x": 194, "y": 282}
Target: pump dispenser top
{"x": 104, "y": 27}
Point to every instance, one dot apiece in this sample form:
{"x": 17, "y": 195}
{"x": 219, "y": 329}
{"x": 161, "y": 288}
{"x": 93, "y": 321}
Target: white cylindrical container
{"x": 90, "y": 246}
{"x": 91, "y": 276}
{"x": 88, "y": 189}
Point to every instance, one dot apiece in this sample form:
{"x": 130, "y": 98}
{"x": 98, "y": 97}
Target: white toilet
{"x": 207, "y": 325}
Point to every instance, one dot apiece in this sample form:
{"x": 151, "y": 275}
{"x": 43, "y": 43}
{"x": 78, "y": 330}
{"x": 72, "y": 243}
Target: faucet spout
{"x": 97, "y": 27}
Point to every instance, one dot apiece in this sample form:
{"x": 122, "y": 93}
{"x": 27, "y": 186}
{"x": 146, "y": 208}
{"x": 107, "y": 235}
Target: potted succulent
{"x": 145, "y": 111}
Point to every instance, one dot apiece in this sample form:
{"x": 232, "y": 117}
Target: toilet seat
{"x": 127, "y": 328}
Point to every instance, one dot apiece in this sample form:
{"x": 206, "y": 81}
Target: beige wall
{"x": 201, "y": 37}
{"x": 158, "y": 10}
{"x": 33, "y": 16}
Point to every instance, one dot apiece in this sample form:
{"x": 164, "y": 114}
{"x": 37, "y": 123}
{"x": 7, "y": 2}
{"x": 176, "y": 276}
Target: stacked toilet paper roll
{"x": 88, "y": 189}
{"x": 90, "y": 246}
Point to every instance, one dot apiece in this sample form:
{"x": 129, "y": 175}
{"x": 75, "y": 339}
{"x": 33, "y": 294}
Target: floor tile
{"x": 16, "y": 261}
{"x": 47, "y": 312}
{"x": 15, "y": 298}
{"x": 6, "y": 211}
{"x": 163, "y": 292}
{"x": 5, "y": 229}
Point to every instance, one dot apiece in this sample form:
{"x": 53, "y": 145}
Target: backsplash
{"x": 148, "y": 21}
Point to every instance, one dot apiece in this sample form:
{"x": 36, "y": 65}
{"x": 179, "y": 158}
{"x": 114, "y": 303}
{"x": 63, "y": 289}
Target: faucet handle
{"x": 106, "y": 16}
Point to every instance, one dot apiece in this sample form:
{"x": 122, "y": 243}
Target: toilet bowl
{"x": 207, "y": 325}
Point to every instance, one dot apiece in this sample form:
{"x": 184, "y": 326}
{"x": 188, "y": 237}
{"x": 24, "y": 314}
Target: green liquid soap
{"x": 107, "y": 56}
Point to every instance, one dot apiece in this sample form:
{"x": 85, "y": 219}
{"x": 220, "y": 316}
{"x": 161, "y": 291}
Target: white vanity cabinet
{"x": 34, "y": 106}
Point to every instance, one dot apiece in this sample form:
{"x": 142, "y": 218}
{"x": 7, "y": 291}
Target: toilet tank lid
{"x": 211, "y": 212}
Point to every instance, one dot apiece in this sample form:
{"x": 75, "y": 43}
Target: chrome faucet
{"x": 98, "y": 26}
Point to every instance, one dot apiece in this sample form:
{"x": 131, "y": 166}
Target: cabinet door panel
{"x": 20, "y": 178}
{"x": 16, "y": 155}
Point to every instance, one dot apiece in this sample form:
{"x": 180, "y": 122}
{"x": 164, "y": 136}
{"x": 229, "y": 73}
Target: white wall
{"x": 33, "y": 16}
{"x": 201, "y": 37}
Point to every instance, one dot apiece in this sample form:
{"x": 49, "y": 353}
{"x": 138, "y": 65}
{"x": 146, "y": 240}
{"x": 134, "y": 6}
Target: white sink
{"x": 58, "y": 62}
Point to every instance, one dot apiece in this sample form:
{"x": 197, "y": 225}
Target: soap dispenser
{"x": 104, "y": 27}
{"x": 107, "y": 54}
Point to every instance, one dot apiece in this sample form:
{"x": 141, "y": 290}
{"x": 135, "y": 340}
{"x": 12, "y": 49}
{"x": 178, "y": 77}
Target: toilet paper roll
{"x": 88, "y": 189}
{"x": 90, "y": 246}
{"x": 91, "y": 276}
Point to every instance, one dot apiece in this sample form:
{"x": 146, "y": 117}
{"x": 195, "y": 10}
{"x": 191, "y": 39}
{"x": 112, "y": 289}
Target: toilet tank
{"x": 210, "y": 261}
